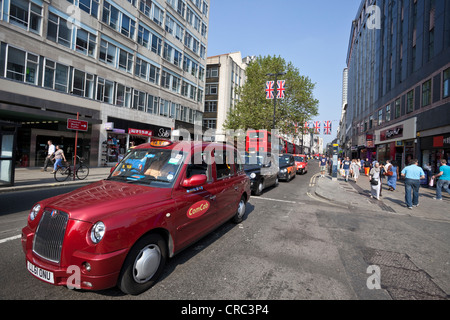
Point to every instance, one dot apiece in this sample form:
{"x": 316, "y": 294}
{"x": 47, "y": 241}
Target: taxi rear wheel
{"x": 143, "y": 265}
{"x": 240, "y": 212}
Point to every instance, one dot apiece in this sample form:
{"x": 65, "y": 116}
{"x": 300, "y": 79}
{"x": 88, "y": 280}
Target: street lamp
{"x": 275, "y": 94}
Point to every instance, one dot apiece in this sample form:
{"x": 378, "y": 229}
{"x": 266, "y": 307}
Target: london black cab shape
{"x": 288, "y": 170}
{"x": 161, "y": 197}
{"x": 261, "y": 170}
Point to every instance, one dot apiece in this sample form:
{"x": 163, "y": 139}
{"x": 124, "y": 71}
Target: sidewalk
{"x": 356, "y": 196}
{"x": 34, "y": 178}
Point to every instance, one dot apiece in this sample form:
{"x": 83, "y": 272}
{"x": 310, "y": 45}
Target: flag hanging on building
{"x": 270, "y": 89}
{"x": 316, "y": 127}
{"x": 281, "y": 89}
{"x": 327, "y": 128}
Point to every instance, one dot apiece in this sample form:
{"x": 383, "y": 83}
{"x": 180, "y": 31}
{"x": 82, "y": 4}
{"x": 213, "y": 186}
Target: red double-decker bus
{"x": 258, "y": 141}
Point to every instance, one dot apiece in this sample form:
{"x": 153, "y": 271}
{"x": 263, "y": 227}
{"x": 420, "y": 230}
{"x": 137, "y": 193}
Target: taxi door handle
{"x": 212, "y": 198}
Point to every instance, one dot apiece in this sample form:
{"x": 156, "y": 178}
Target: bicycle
{"x": 65, "y": 171}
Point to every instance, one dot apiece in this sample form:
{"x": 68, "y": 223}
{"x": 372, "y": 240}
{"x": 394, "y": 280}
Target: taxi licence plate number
{"x": 40, "y": 273}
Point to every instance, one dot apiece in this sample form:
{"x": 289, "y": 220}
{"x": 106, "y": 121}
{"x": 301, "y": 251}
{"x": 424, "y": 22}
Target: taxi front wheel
{"x": 143, "y": 265}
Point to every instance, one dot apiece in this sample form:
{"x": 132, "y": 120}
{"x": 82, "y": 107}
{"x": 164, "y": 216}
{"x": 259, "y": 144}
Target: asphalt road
{"x": 291, "y": 246}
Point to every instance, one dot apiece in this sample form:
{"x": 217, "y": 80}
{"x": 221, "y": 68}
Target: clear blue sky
{"x": 312, "y": 34}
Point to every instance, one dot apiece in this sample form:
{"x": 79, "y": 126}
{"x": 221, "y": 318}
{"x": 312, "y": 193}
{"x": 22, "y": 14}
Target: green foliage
{"x": 254, "y": 111}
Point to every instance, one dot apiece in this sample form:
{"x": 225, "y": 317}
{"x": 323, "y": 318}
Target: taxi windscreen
{"x": 149, "y": 166}
{"x": 299, "y": 159}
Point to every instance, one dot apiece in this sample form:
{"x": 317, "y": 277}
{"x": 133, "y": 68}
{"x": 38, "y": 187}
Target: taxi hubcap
{"x": 241, "y": 209}
{"x": 147, "y": 263}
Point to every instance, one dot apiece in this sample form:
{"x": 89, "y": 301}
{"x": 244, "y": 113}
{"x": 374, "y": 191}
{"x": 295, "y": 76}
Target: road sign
{"x": 79, "y": 125}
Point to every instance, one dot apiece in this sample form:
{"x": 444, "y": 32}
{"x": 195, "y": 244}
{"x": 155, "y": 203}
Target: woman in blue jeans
{"x": 412, "y": 173}
{"x": 58, "y": 156}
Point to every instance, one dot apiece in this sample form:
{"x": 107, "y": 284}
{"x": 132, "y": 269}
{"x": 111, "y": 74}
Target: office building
{"x": 130, "y": 68}
{"x": 399, "y": 81}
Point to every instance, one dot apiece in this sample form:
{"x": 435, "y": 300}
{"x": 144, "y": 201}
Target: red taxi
{"x": 301, "y": 162}
{"x": 161, "y": 198}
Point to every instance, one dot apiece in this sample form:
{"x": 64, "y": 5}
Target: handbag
{"x": 431, "y": 182}
{"x": 389, "y": 173}
{"x": 373, "y": 182}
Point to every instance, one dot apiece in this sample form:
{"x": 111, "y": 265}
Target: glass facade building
{"x": 398, "y": 87}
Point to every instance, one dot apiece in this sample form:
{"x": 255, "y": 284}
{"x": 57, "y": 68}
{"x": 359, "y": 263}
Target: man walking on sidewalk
{"x": 412, "y": 173}
{"x": 346, "y": 166}
{"x": 444, "y": 179}
{"x": 323, "y": 166}
{"x": 50, "y": 152}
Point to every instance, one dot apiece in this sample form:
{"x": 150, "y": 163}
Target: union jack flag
{"x": 327, "y": 127}
{"x": 306, "y": 127}
{"x": 281, "y": 89}
{"x": 316, "y": 127}
{"x": 269, "y": 89}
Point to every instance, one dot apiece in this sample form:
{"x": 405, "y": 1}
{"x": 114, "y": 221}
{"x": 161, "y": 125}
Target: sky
{"x": 313, "y": 35}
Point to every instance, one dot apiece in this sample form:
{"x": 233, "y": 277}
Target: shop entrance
{"x": 67, "y": 144}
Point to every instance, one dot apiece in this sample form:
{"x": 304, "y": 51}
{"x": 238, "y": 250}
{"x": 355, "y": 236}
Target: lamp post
{"x": 275, "y": 93}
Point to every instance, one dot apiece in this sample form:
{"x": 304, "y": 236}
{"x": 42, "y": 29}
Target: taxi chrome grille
{"x": 49, "y": 235}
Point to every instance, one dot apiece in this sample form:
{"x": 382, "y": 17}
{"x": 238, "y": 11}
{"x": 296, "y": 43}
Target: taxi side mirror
{"x": 195, "y": 181}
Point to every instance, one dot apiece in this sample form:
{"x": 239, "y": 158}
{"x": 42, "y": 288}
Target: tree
{"x": 254, "y": 111}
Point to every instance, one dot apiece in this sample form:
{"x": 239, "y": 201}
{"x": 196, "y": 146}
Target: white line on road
{"x": 10, "y": 239}
{"x": 278, "y": 200}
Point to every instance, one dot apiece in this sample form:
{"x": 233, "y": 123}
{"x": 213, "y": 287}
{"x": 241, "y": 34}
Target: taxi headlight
{"x": 252, "y": 175}
{"x": 34, "y": 212}
{"x": 283, "y": 170}
{"x": 97, "y": 232}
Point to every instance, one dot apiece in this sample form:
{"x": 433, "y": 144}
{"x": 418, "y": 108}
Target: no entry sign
{"x": 79, "y": 125}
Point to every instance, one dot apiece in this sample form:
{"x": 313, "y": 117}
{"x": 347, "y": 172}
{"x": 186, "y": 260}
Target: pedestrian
{"x": 412, "y": 174}
{"x": 50, "y": 152}
{"x": 356, "y": 167}
{"x": 444, "y": 180}
{"x": 375, "y": 181}
{"x": 322, "y": 166}
{"x": 346, "y": 166}
{"x": 366, "y": 167}
{"x": 58, "y": 156}
{"x": 392, "y": 176}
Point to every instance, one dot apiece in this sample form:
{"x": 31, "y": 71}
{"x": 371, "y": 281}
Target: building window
{"x": 380, "y": 117}
{"x": 56, "y": 76}
{"x": 426, "y": 93}
{"x": 108, "y": 53}
{"x": 110, "y": 15}
{"x": 152, "y": 11}
{"x": 152, "y": 104}
{"x": 83, "y": 84}
{"x": 398, "y": 110}
{"x": 446, "y": 83}
{"x": 138, "y": 100}
{"x": 388, "y": 113}
{"x": 149, "y": 40}
{"x": 25, "y": 14}
{"x": 410, "y": 101}
{"x": 123, "y": 96}
{"x": 22, "y": 66}
{"x": 58, "y": 30}
{"x": 210, "y": 106}
{"x": 210, "y": 123}
{"x": 211, "y": 89}
{"x": 172, "y": 55}
{"x": 125, "y": 61}
{"x": 105, "y": 91}
{"x": 86, "y": 42}
{"x": 89, "y": 6}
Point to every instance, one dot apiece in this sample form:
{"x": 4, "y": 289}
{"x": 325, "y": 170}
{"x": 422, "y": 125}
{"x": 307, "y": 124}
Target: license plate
{"x": 42, "y": 274}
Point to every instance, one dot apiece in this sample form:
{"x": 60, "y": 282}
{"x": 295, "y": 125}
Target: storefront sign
{"x": 369, "y": 141}
{"x": 392, "y": 133}
{"x": 140, "y": 132}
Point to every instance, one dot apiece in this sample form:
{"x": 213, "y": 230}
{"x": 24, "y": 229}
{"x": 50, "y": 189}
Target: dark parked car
{"x": 261, "y": 170}
{"x": 288, "y": 169}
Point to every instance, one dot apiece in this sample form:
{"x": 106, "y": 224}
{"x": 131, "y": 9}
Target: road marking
{"x": 313, "y": 179}
{"x": 10, "y": 239}
{"x": 278, "y": 200}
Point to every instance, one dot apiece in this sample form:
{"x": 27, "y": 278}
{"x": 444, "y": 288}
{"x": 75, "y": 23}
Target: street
{"x": 292, "y": 245}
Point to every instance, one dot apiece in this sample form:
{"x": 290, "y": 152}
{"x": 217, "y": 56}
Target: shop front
{"x": 434, "y": 148}
{"x": 397, "y": 142}
{"x": 123, "y": 134}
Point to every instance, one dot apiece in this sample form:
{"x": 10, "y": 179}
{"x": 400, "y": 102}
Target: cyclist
{"x": 58, "y": 156}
